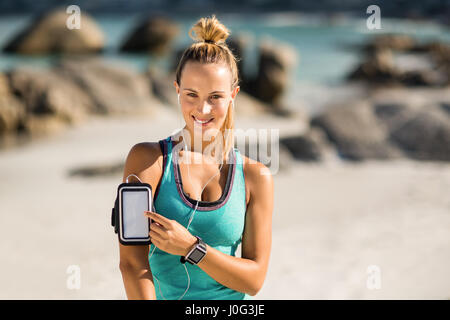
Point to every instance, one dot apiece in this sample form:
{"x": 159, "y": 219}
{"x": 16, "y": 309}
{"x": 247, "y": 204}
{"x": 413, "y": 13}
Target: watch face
{"x": 196, "y": 255}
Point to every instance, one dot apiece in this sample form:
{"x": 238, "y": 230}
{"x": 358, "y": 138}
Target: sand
{"x": 331, "y": 220}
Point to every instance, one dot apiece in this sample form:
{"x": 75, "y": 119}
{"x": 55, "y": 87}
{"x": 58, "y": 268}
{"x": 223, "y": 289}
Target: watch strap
{"x": 199, "y": 245}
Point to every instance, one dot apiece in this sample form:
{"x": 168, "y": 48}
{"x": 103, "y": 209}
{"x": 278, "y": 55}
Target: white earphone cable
{"x": 192, "y": 214}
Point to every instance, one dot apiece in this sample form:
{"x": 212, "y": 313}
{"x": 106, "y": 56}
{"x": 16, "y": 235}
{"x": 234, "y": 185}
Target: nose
{"x": 206, "y": 108}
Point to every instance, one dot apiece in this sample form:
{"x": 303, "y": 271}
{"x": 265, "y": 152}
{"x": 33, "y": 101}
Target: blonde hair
{"x": 210, "y": 47}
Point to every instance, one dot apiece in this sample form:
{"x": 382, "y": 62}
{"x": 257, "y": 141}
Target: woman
{"x": 235, "y": 207}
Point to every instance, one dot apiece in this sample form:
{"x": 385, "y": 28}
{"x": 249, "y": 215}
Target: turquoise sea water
{"x": 322, "y": 45}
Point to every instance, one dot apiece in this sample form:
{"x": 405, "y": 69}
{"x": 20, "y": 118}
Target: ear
{"x": 235, "y": 92}
{"x": 176, "y": 86}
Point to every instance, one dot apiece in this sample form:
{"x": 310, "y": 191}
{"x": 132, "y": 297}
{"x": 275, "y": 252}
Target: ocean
{"x": 324, "y": 46}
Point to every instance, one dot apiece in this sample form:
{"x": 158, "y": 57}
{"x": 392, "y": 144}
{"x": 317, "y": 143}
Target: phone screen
{"x": 134, "y": 203}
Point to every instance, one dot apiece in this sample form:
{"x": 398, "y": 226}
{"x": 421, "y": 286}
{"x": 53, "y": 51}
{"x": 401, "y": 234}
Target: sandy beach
{"x": 331, "y": 221}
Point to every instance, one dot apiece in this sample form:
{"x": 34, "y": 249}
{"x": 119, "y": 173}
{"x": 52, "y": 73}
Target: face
{"x": 205, "y": 94}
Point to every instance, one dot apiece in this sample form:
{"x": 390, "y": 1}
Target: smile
{"x": 202, "y": 122}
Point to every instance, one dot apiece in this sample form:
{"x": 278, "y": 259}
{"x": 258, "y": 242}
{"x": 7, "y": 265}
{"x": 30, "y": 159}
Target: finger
{"x": 159, "y": 218}
{"x": 148, "y": 214}
{"x": 154, "y": 223}
{"x": 154, "y": 236}
{"x": 156, "y": 243}
{"x": 161, "y": 231}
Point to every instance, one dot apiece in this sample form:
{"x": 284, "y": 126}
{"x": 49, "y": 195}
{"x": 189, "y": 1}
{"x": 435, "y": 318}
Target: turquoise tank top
{"x": 219, "y": 223}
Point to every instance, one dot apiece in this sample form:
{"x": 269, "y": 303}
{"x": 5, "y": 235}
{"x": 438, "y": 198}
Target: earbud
{"x": 178, "y": 99}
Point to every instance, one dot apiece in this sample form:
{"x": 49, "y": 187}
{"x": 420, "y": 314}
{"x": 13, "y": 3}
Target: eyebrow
{"x": 210, "y": 92}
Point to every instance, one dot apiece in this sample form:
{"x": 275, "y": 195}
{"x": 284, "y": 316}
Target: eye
{"x": 191, "y": 94}
{"x": 217, "y": 96}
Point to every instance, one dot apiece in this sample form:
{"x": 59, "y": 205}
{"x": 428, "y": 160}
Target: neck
{"x": 196, "y": 143}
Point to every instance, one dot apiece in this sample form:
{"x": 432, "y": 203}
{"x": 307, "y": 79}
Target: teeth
{"x": 199, "y": 121}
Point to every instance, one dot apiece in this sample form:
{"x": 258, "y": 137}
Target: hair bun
{"x": 209, "y": 30}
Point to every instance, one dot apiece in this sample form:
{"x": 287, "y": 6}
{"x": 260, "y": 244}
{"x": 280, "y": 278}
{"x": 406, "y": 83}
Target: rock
{"x": 46, "y": 92}
{"x": 12, "y": 111}
{"x": 239, "y": 45}
{"x": 43, "y": 125}
{"x": 175, "y": 59}
{"x": 4, "y": 85}
{"x": 162, "y": 86}
{"x": 154, "y": 35}
{"x": 394, "y": 114}
{"x": 425, "y": 135}
{"x": 246, "y": 105}
{"x": 387, "y": 126}
{"x": 50, "y": 34}
{"x": 430, "y": 78}
{"x": 311, "y": 146}
{"x": 38, "y": 102}
{"x": 435, "y": 48}
{"x": 391, "y": 41}
{"x": 276, "y": 62}
{"x": 355, "y": 131}
{"x": 446, "y": 107}
{"x": 114, "y": 89}
{"x": 417, "y": 121}
{"x": 411, "y": 97}
{"x": 377, "y": 68}
{"x": 440, "y": 54}
{"x": 275, "y": 156}
{"x": 425, "y": 64}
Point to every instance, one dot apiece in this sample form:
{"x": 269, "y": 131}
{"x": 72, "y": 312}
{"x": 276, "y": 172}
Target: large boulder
{"x": 390, "y": 124}
{"x": 49, "y": 34}
{"x": 417, "y": 120}
{"x": 20, "y": 121}
{"x": 273, "y": 154}
{"x": 398, "y": 42}
{"x": 42, "y": 125}
{"x": 424, "y": 135}
{"x": 247, "y": 105}
{"x": 39, "y": 101}
{"x": 312, "y": 145}
{"x": 356, "y": 132}
{"x": 399, "y": 60}
{"x": 12, "y": 111}
{"x": 113, "y": 88}
{"x": 239, "y": 45}
{"x": 161, "y": 84}
{"x": 276, "y": 62}
{"x": 153, "y": 35}
{"x": 378, "y": 67}
{"x": 47, "y": 92}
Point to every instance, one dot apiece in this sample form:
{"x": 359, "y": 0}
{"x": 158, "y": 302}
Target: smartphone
{"x": 134, "y": 199}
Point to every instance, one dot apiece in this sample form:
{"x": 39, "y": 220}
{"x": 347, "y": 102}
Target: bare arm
{"x": 136, "y": 274}
{"x": 134, "y": 266}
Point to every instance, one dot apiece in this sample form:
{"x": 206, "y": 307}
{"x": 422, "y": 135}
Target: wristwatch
{"x": 196, "y": 254}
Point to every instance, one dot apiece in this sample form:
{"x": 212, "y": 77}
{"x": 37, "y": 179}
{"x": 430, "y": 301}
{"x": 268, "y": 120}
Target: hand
{"x": 170, "y": 236}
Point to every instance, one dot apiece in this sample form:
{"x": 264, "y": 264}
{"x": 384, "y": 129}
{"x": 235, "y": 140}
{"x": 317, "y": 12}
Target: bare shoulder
{"x": 145, "y": 160}
{"x": 145, "y": 151}
{"x": 258, "y": 179}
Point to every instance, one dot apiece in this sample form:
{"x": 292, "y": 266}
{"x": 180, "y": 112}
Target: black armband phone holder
{"x": 115, "y": 215}
{"x": 127, "y": 216}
